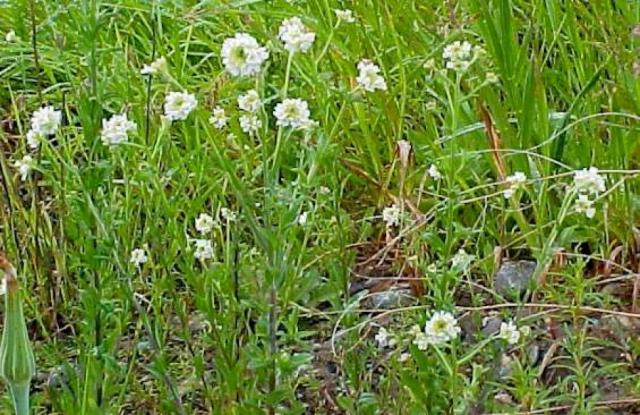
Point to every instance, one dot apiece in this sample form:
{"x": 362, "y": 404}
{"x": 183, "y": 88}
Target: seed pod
{"x": 17, "y": 364}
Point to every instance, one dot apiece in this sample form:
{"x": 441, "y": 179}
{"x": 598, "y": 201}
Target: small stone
{"x": 514, "y": 277}
{"x": 491, "y": 325}
{"x": 506, "y": 367}
{"x": 533, "y": 353}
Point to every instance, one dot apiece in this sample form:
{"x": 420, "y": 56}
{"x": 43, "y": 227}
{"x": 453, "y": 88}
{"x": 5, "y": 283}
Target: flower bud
{"x": 17, "y": 364}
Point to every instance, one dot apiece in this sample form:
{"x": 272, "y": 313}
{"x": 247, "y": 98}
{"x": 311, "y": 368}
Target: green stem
{"x": 285, "y": 90}
{"x": 20, "y": 395}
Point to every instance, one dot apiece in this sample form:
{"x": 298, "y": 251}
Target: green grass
{"x": 270, "y": 324}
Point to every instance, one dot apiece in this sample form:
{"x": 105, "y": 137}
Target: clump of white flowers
{"x": 461, "y": 260}
{"x": 249, "y": 123}
{"x": 24, "y": 166}
{"x": 509, "y": 332}
{"x": 204, "y": 223}
{"x": 33, "y": 139}
{"x": 292, "y": 112}
{"x": 391, "y": 216}
{"x": 11, "y": 37}
{"x": 441, "y": 328}
{"x": 295, "y": 35}
{"x": 384, "y": 338}
{"x": 138, "y": 257}
{"x": 434, "y": 173}
{"x": 250, "y": 101}
{"x": 302, "y": 218}
{"x": 46, "y": 121}
{"x": 242, "y": 55}
{"x": 458, "y": 55}
{"x": 203, "y": 250}
{"x": 369, "y": 77}
{"x": 218, "y": 118}
{"x": 116, "y": 129}
{"x": 587, "y": 182}
{"x": 585, "y": 205}
{"x": 159, "y": 66}
{"x": 178, "y": 105}
{"x": 345, "y": 16}
{"x": 514, "y": 182}
{"x": 228, "y": 214}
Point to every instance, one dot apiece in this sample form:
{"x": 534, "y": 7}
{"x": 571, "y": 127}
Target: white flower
{"x": 204, "y": 249}
{"x": 514, "y": 181}
{"x": 204, "y": 223}
{"x": 138, "y": 257}
{"x": 228, "y": 215}
{"x": 295, "y": 35}
{"x": 178, "y": 105}
{"x": 250, "y": 123}
{"x": 250, "y": 101}
{"x": 461, "y": 260}
{"x": 585, "y": 205}
{"x": 458, "y": 55}
{"x": 509, "y": 332}
{"x": 302, "y": 218}
{"x": 219, "y": 118}
{"x": 441, "y": 328}
{"x": 156, "y": 67}
{"x": 292, "y": 112}
{"x": 391, "y": 216}
{"x": 33, "y": 139}
{"x": 369, "y": 76}
{"x": 46, "y": 121}
{"x": 434, "y": 172}
{"x": 11, "y": 36}
{"x": 589, "y": 181}
{"x": 404, "y": 357}
{"x": 384, "y": 339}
{"x": 345, "y": 15}
{"x": 116, "y": 129}
{"x": 242, "y": 55}
{"x": 3, "y": 287}
{"x": 24, "y": 166}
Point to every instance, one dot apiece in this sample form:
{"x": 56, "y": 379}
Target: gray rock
{"x": 513, "y": 277}
{"x": 491, "y": 326}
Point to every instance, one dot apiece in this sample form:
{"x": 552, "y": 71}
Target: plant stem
{"x": 20, "y": 396}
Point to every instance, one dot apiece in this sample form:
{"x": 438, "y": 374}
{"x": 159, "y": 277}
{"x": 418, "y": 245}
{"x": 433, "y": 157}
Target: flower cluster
{"x": 587, "y": 183}
{"x": 369, "y": 77}
{"x": 461, "y": 260}
{"x": 441, "y": 328}
{"x": 24, "y": 166}
{"x": 458, "y": 56}
{"x": 116, "y": 129}
{"x": 295, "y": 35}
{"x": 44, "y": 122}
{"x": 294, "y": 113}
{"x": 514, "y": 182}
{"x": 391, "y": 216}
{"x": 345, "y": 16}
{"x": 178, "y": 105}
{"x": 242, "y": 55}
{"x": 138, "y": 257}
{"x": 218, "y": 118}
